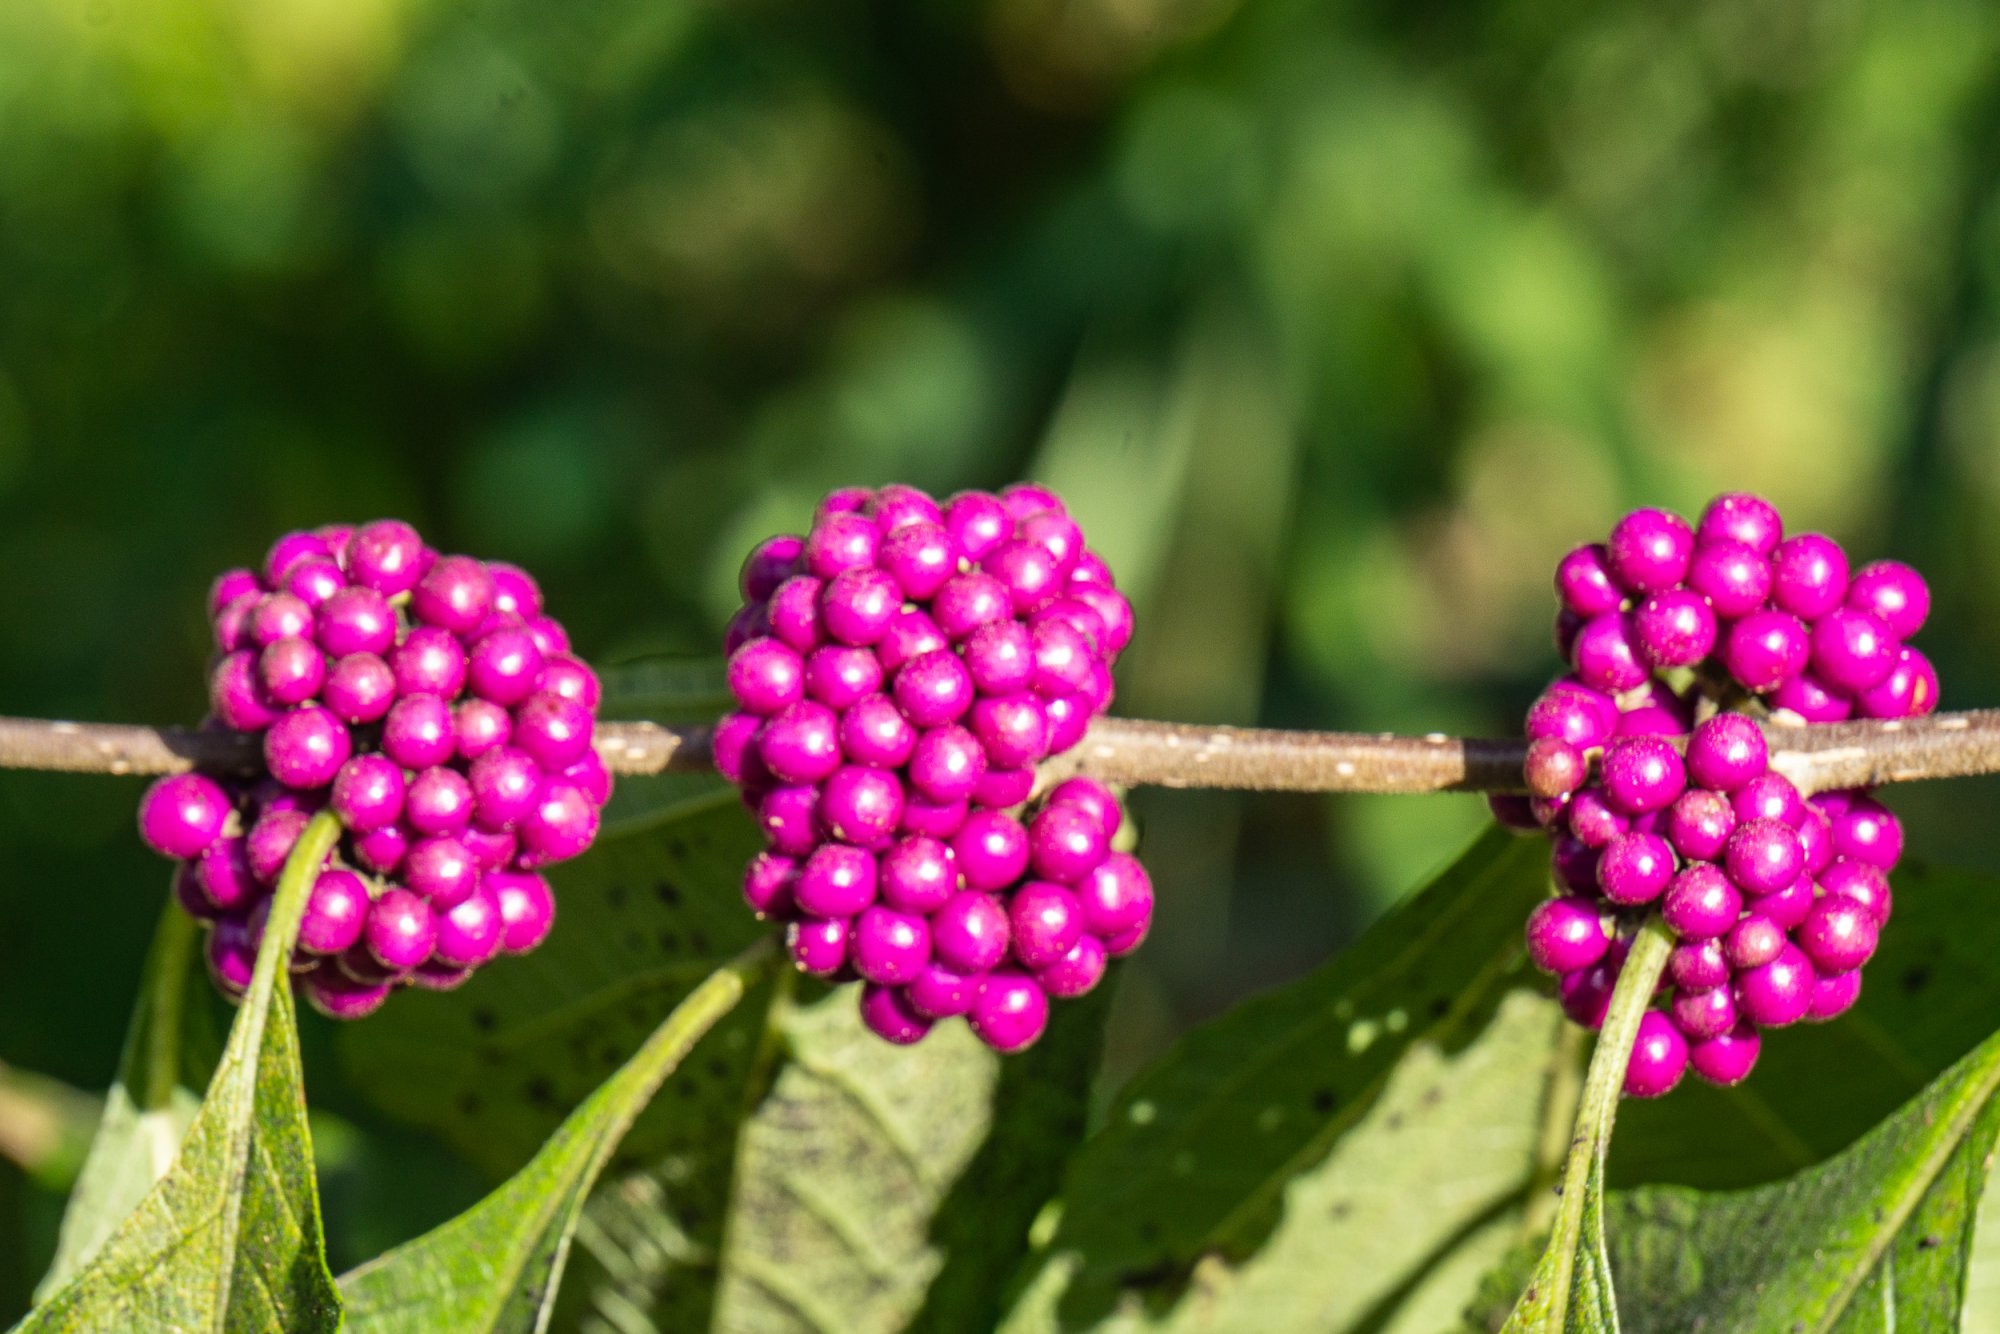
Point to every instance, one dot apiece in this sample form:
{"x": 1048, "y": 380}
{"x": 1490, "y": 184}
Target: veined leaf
{"x": 495, "y": 1268}
{"x": 230, "y": 1238}
{"x": 168, "y": 1057}
{"x": 1876, "y": 1238}
{"x": 1234, "y": 1185}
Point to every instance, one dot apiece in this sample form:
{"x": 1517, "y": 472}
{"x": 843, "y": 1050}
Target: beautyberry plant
{"x": 1776, "y": 899}
{"x": 428, "y": 702}
{"x": 901, "y": 670}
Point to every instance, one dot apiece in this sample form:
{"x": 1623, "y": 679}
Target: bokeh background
{"x": 1337, "y": 322}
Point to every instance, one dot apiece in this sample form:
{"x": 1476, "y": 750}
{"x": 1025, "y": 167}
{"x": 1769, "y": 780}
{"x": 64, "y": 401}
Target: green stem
{"x": 288, "y": 904}
{"x": 1603, "y": 1085}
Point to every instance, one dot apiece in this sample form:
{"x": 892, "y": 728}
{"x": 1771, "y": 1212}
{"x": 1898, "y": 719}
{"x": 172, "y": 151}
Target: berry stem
{"x": 1135, "y": 752}
{"x": 1583, "y": 1168}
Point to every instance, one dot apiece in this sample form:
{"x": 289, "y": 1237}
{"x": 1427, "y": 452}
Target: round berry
{"x": 840, "y": 676}
{"x": 180, "y": 816}
{"x": 1701, "y": 903}
{"x": 336, "y": 911}
{"x": 937, "y": 992}
{"x": 1838, "y": 935}
{"x": 1833, "y": 995}
{"x": 1066, "y": 843}
{"x": 368, "y": 792}
{"x": 1726, "y": 752}
{"x": 504, "y": 666}
{"x": 918, "y": 874}
{"x": 1808, "y": 697}
{"x": 934, "y": 689}
{"x": 1763, "y": 856}
{"x": 1698, "y": 965}
{"x": 1867, "y": 832}
{"x": 555, "y": 732}
{"x": 504, "y": 785}
{"x": 861, "y": 806}
{"x": 1864, "y": 884}
{"x": 1851, "y": 650}
{"x": 1698, "y": 824}
{"x": 1765, "y": 649}
{"x": 1659, "y": 1057}
{"x": 222, "y": 878}
{"x": 1093, "y": 797}
{"x": 1045, "y": 920}
{"x": 818, "y": 946}
{"x": 919, "y": 556}
{"x": 1738, "y": 516}
{"x": 1606, "y": 653}
{"x": 802, "y": 743}
{"x": 280, "y": 616}
{"x": 856, "y": 605}
{"x": 1808, "y": 575}
{"x": 1753, "y": 941}
{"x": 970, "y": 933}
{"x": 1635, "y": 868}
{"x": 1643, "y": 774}
{"x": 836, "y": 881}
{"x": 1566, "y": 934}
{"x": 977, "y": 522}
{"x": 1009, "y": 1012}
{"x": 561, "y": 824}
{"x": 1649, "y": 550}
{"x": 469, "y": 933}
{"x": 360, "y": 688}
{"x": 766, "y": 676}
{"x": 455, "y": 594}
{"x": 401, "y": 930}
{"x": 1726, "y": 1061}
{"x": 429, "y": 661}
{"x": 1585, "y": 583}
{"x": 769, "y": 564}
{"x": 1674, "y": 628}
{"x": 438, "y": 801}
{"x": 888, "y": 946}
{"x": 1735, "y": 579}
{"x": 356, "y": 620}
{"x": 442, "y": 869}
{"x": 386, "y": 556}
{"x": 334, "y": 993}
{"x": 889, "y": 1015}
{"x": 839, "y": 543}
{"x": 1908, "y": 691}
{"x": 1777, "y": 993}
{"x": 306, "y": 747}
{"x": 991, "y": 849}
{"x": 479, "y": 726}
{"x": 967, "y": 601}
{"x": 1769, "y": 797}
{"x": 874, "y": 731}
{"x": 527, "y": 910}
{"x": 1894, "y": 594}
{"x": 1013, "y": 730}
{"x": 1704, "y": 1014}
{"x": 1585, "y": 995}
{"x": 1554, "y": 768}
{"x": 789, "y": 817}
{"x": 793, "y": 616}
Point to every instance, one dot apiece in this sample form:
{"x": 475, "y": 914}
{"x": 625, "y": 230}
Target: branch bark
{"x": 1132, "y": 752}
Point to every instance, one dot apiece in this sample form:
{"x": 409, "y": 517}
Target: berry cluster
{"x": 1777, "y": 900}
{"x": 428, "y": 702}
{"x": 901, "y": 670}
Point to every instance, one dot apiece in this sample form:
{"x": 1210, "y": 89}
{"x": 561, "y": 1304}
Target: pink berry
{"x": 1738, "y": 516}
{"x": 1659, "y": 1057}
{"x": 889, "y": 1015}
{"x": 1726, "y": 1061}
{"x": 1809, "y": 575}
{"x": 180, "y": 816}
{"x": 1009, "y": 1012}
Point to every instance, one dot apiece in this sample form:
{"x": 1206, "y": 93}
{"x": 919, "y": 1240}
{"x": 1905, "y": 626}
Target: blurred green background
{"x": 1337, "y": 322}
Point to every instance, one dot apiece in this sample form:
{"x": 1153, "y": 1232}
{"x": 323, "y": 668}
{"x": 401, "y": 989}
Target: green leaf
{"x": 154, "y": 1097}
{"x": 841, "y": 1172}
{"x": 230, "y": 1238}
{"x": 496, "y": 1267}
{"x": 1571, "y": 1288}
{"x": 1352, "y": 1147}
{"x": 493, "y": 1067}
{"x": 1876, "y": 1238}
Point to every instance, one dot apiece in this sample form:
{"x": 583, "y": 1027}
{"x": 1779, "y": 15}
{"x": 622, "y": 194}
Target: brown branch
{"x": 1132, "y": 752}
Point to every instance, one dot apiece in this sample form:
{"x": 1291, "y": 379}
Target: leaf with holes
{"x": 230, "y": 1238}
{"x": 495, "y": 1269}
{"x": 1240, "y": 1182}
{"x": 1874, "y": 1238}
{"x": 493, "y": 1066}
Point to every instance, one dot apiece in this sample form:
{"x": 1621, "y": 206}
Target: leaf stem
{"x": 1597, "y": 1109}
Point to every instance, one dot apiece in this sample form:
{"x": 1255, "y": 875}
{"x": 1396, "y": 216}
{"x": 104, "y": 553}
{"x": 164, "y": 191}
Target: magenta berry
{"x": 1606, "y": 653}
{"x": 182, "y": 815}
{"x": 1635, "y": 868}
{"x": 1585, "y": 583}
{"x": 336, "y": 911}
{"x": 527, "y": 910}
{"x": 368, "y": 792}
{"x": 1809, "y": 575}
{"x": 1009, "y": 1012}
{"x": 889, "y": 1015}
{"x": 1698, "y": 824}
{"x": 1765, "y": 649}
{"x": 818, "y": 945}
{"x": 917, "y": 874}
{"x": 562, "y": 823}
{"x": 766, "y": 676}
{"x": 1734, "y": 578}
{"x": 1554, "y": 768}
{"x": 1726, "y": 1061}
{"x": 469, "y": 933}
{"x": 1698, "y": 966}
{"x": 1659, "y": 1057}
{"x": 1649, "y": 550}
{"x": 1566, "y": 934}
{"x": 1643, "y": 774}
{"x": 1701, "y": 903}
{"x": 1763, "y": 856}
{"x": 1852, "y": 650}
{"x": 401, "y": 930}
{"x": 1045, "y": 921}
{"x": 1777, "y": 993}
{"x": 890, "y": 946}
{"x": 1838, "y": 935}
{"x": 1894, "y": 594}
{"x": 306, "y": 747}
{"x": 1867, "y": 832}
{"x": 1833, "y": 995}
{"x": 1740, "y": 517}
{"x": 1769, "y": 797}
{"x": 1674, "y": 628}
{"x": 1865, "y": 884}
{"x": 1703, "y": 1014}
{"x": 861, "y": 806}
{"x": 1726, "y": 752}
